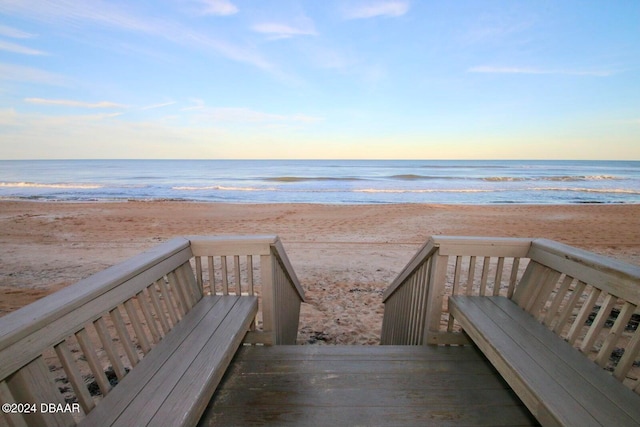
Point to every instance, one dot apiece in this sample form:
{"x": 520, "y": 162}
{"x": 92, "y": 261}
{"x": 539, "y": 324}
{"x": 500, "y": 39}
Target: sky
{"x": 358, "y": 79}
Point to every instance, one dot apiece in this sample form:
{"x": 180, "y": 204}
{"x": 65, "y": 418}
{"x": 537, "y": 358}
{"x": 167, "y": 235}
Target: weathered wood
{"x": 183, "y": 370}
{"x": 609, "y": 275}
{"x": 25, "y": 332}
{"x": 558, "y": 384}
{"x": 123, "y": 335}
{"x": 32, "y": 384}
{"x": 109, "y": 348}
{"x": 363, "y": 385}
{"x": 74, "y": 377}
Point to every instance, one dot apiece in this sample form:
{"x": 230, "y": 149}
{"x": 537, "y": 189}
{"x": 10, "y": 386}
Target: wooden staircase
{"x": 363, "y": 385}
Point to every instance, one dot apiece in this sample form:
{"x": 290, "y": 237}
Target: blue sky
{"x": 393, "y": 79}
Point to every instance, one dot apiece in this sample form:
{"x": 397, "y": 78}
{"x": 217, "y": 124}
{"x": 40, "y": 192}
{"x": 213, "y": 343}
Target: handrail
{"x": 414, "y": 301}
{"x": 280, "y": 294}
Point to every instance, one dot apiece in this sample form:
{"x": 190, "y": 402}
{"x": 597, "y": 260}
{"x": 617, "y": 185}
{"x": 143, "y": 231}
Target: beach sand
{"x": 344, "y": 255}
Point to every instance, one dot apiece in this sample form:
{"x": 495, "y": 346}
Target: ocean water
{"x": 323, "y": 181}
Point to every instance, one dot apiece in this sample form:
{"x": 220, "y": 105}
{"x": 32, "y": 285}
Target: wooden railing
{"x": 74, "y": 345}
{"x": 253, "y": 265}
{"x": 415, "y": 303}
{"x": 587, "y": 299}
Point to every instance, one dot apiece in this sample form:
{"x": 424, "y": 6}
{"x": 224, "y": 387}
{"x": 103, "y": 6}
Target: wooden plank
{"x": 517, "y": 367}
{"x": 110, "y": 348}
{"x": 173, "y": 395}
{"x": 168, "y": 302}
{"x": 513, "y": 278}
{"x": 369, "y": 415}
{"x": 609, "y": 275}
{"x": 556, "y": 362}
{"x": 231, "y": 245}
{"x": 567, "y": 311}
{"x": 74, "y": 376}
{"x": 89, "y": 352}
{"x": 141, "y": 336}
{"x": 212, "y": 275}
{"x": 497, "y": 283}
{"x": 148, "y": 317}
{"x": 197, "y": 385}
{"x": 290, "y": 385}
{"x": 250, "y": 274}
{"x": 113, "y": 404}
{"x": 629, "y": 357}
{"x": 554, "y": 308}
{"x": 437, "y": 276}
{"x": 12, "y": 420}
{"x": 586, "y": 309}
{"x": 615, "y": 334}
{"x": 482, "y": 246}
{"x": 590, "y": 376}
{"x": 598, "y": 323}
{"x": 56, "y": 316}
{"x": 33, "y": 384}
{"x": 123, "y": 335}
{"x": 416, "y": 261}
{"x": 54, "y": 322}
{"x": 313, "y": 353}
{"x": 160, "y": 311}
{"x": 471, "y": 275}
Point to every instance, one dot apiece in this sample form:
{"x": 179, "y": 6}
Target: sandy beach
{"x": 344, "y": 255}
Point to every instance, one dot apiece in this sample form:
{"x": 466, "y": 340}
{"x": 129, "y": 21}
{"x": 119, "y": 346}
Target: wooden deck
{"x": 364, "y": 385}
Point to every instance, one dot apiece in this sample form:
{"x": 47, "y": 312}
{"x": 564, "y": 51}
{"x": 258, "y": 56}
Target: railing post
{"x": 268, "y": 301}
{"x": 435, "y": 297}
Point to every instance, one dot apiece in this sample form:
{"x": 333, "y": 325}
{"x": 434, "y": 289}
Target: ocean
{"x": 323, "y": 181}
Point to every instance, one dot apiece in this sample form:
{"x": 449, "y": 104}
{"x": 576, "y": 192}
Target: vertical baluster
{"x": 513, "y": 278}
{"x": 484, "y": 276}
{"x": 497, "y": 284}
{"x": 212, "y": 276}
{"x": 567, "y": 311}
{"x": 250, "y": 274}
{"x": 199, "y": 274}
{"x": 456, "y": 290}
{"x": 160, "y": 312}
{"x": 615, "y": 333}
{"x": 585, "y": 310}
{"x": 92, "y": 360}
{"x": 225, "y": 279}
{"x": 74, "y": 376}
{"x": 471, "y": 275}
{"x": 148, "y": 317}
{"x": 552, "y": 313}
{"x": 109, "y": 348}
{"x": 123, "y": 334}
{"x": 137, "y": 326}
{"x": 598, "y": 323}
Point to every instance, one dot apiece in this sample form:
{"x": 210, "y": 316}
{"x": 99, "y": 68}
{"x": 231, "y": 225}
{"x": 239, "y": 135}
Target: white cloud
{"x": 14, "y": 33}
{"x": 16, "y": 48}
{"x": 72, "y": 103}
{"x": 528, "y": 70}
{"x": 80, "y": 15}
{"x": 281, "y": 31}
{"x": 28, "y": 74}
{"x": 219, "y": 7}
{"x": 392, "y": 8}
{"x": 160, "y": 105}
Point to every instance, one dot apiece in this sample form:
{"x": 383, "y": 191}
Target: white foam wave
{"x": 588, "y": 190}
{"x": 220, "y": 188}
{"x": 38, "y": 185}
{"x": 376, "y": 190}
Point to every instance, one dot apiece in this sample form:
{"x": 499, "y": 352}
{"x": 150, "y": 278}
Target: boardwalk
{"x": 364, "y": 385}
